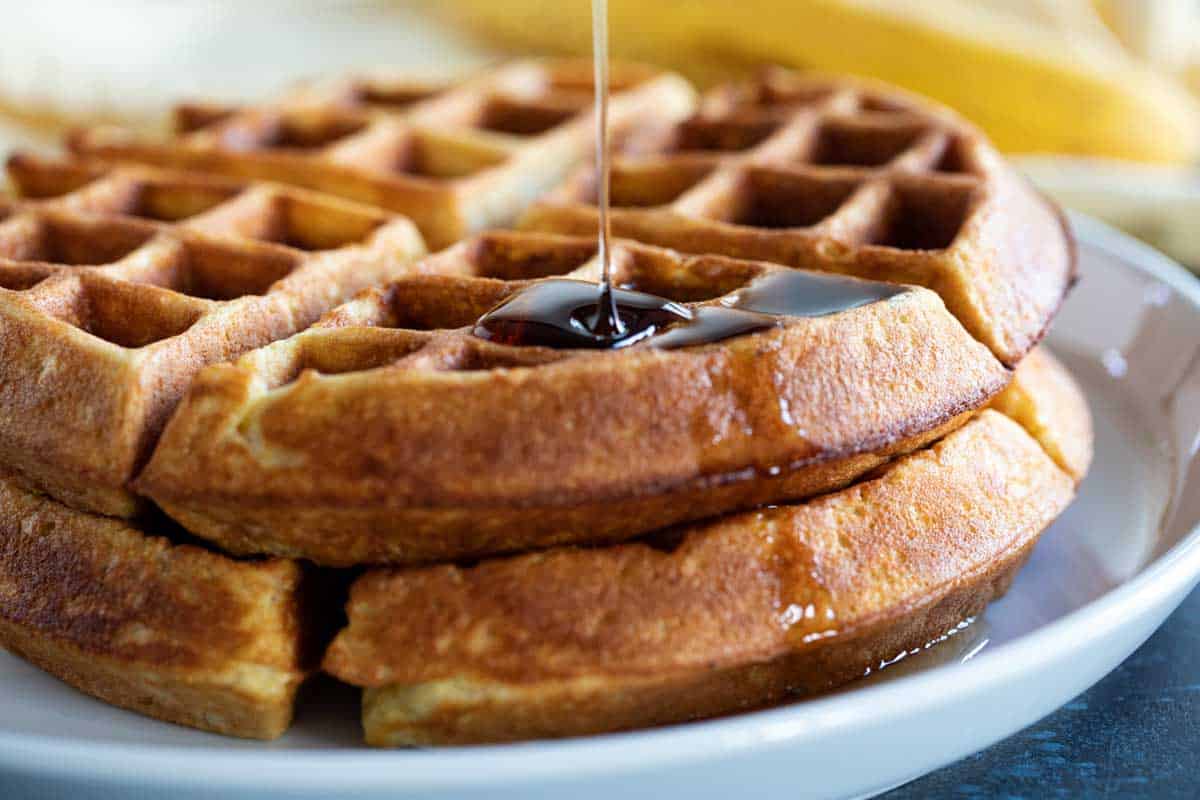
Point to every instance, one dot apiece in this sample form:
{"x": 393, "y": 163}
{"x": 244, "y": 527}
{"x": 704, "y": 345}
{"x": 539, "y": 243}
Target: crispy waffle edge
{"x": 737, "y": 613}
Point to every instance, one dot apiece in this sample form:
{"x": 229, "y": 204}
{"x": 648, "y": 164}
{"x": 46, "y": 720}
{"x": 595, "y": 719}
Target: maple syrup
{"x": 565, "y": 313}
{"x": 562, "y": 313}
{"x": 607, "y": 320}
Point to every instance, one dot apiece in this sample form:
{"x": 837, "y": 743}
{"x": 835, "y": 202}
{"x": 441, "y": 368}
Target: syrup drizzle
{"x": 565, "y": 313}
{"x": 561, "y": 313}
{"x": 607, "y": 319}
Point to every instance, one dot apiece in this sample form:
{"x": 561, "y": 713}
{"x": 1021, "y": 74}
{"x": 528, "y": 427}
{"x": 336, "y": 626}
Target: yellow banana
{"x": 1034, "y": 82}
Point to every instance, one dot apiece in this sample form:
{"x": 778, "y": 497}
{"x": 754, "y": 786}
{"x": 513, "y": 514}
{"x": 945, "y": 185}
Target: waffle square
{"x": 843, "y": 176}
{"x": 455, "y": 157}
{"x": 118, "y": 284}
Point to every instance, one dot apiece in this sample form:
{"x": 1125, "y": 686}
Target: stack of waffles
{"x": 247, "y": 432}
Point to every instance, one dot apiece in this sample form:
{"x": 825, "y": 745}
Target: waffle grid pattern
{"x": 119, "y": 284}
{"x": 838, "y": 176}
{"x": 455, "y": 158}
{"x": 423, "y": 321}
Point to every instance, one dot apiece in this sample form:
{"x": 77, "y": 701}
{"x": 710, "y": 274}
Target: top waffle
{"x": 388, "y": 432}
{"x": 455, "y": 158}
{"x": 842, "y": 176}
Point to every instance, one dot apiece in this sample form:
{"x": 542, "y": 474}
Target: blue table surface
{"x": 1135, "y": 734}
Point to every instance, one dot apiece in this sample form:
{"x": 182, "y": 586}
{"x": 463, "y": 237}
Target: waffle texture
{"x": 233, "y": 381}
{"x": 455, "y": 158}
{"x": 844, "y": 176}
{"x": 121, "y": 284}
{"x": 169, "y": 630}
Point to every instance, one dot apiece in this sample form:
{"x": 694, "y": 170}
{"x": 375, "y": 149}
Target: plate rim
{"x": 345, "y": 770}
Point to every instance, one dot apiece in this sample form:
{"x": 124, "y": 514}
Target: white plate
{"x": 1100, "y": 582}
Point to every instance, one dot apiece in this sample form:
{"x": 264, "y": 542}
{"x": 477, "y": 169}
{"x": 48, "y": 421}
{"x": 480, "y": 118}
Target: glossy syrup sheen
{"x": 562, "y": 313}
{"x": 571, "y": 314}
{"x": 608, "y": 322}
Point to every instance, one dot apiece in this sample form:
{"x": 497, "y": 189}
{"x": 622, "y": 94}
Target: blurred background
{"x": 1099, "y": 100}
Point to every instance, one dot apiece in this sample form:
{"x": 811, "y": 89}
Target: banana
{"x": 1035, "y": 74}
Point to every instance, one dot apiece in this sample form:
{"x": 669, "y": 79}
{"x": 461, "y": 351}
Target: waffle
{"x": 844, "y": 176}
{"x": 455, "y": 158}
{"x": 119, "y": 284}
{"x": 464, "y": 447}
{"x": 715, "y": 617}
{"x": 226, "y": 350}
{"x": 166, "y": 629}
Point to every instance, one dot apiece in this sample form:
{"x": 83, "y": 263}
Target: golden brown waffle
{"x": 389, "y": 433}
{"x": 169, "y": 630}
{"x": 1044, "y": 399}
{"x": 455, "y": 158}
{"x": 384, "y": 431}
{"x": 714, "y": 617}
{"x": 118, "y": 285}
{"x": 844, "y": 176}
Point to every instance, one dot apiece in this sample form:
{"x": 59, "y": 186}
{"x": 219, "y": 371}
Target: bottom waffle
{"x": 173, "y": 631}
{"x": 719, "y": 616}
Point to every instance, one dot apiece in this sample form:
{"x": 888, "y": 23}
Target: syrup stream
{"x": 564, "y": 313}
{"x": 608, "y": 322}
